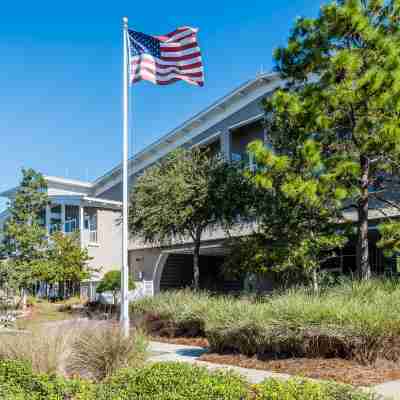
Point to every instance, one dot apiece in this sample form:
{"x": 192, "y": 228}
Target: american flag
{"x": 166, "y": 59}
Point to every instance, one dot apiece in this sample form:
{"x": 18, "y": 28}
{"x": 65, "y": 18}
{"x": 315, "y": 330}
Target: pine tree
{"x": 298, "y": 203}
{"x": 25, "y": 239}
{"x": 343, "y": 76}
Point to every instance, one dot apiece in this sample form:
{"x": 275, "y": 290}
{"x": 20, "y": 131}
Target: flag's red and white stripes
{"x": 180, "y": 60}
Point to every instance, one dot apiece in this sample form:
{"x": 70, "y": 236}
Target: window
{"x": 71, "y": 226}
{"x": 91, "y": 226}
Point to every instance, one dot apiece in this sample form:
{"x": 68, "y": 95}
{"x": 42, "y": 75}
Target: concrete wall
{"x": 107, "y": 253}
{"x": 143, "y": 262}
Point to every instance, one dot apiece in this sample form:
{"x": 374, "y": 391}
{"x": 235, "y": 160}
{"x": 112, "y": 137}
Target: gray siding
{"x": 250, "y": 111}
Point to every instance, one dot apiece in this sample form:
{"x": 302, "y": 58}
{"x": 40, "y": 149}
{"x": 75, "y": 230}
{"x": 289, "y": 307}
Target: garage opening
{"x": 178, "y": 273}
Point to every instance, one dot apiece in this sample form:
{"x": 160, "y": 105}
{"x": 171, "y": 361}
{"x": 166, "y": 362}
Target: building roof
{"x": 176, "y": 135}
{"x": 10, "y": 193}
{"x": 171, "y": 140}
{"x": 67, "y": 181}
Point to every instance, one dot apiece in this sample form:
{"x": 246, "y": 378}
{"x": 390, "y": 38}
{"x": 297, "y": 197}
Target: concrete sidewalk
{"x": 190, "y": 354}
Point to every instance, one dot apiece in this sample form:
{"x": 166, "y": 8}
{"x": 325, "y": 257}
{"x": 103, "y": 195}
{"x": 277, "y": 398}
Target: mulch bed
{"x": 336, "y": 369}
{"x": 200, "y": 342}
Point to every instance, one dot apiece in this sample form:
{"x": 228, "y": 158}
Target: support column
{"x": 81, "y": 225}
{"x": 48, "y": 219}
{"x": 226, "y": 144}
{"x": 63, "y": 218}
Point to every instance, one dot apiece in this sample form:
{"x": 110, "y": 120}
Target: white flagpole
{"x": 125, "y": 107}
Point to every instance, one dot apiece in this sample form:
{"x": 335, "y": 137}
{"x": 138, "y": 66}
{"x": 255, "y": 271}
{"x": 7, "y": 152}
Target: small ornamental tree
{"x": 25, "y": 239}
{"x": 343, "y": 72}
{"x": 185, "y": 194}
{"x": 66, "y": 262}
{"x": 111, "y": 282}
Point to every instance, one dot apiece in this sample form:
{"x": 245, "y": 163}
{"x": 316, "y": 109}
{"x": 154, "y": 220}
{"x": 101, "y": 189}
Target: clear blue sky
{"x": 60, "y": 75}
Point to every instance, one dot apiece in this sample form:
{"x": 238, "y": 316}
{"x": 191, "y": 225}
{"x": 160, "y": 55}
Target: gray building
{"x": 94, "y": 208}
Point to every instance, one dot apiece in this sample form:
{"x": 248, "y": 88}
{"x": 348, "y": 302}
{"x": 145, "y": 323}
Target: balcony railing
{"x": 55, "y": 228}
{"x": 70, "y": 226}
{"x": 247, "y": 160}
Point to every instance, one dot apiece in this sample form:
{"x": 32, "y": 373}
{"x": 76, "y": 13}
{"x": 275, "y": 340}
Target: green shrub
{"x": 31, "y": 301}
{"x": 295, "y": 389}
{"x": 163, "y": 381}
{"x": 111, "y": 282}
{"x": 174, "y": 381}
{"x": 19, "y": 382}
{"x": 100, "y": 351}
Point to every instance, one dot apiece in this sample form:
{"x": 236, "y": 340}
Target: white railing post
{"x": 81, "y": 225}
{"x": 63, "y": 218}
{"x": 48, "y": 219}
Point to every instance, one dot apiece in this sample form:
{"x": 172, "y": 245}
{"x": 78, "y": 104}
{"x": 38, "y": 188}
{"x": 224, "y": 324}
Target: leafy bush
{"x": 101, "y": 351}
{"x": 163, "y": 381}
{"x": 31, "y": 301}
{"x": 295, "y": 389}
{"x": 111, "y": 282}
{"x": 354, "y": 320}
{"x": 19, "y": 382}
{"x": 174, "y": 381}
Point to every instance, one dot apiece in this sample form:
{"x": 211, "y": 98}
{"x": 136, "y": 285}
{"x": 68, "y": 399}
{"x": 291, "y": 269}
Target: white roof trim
{"x": 66, "y": 181}
{"x": 9, "y": 193}
{"x": 209, "y": 139}
{"x": 4, "y": 215}
{"x": 246, "y": 122}
{"x": 103, "y": 201}
{"x": 184, "y": 133}
{"x": 52, "y": 179}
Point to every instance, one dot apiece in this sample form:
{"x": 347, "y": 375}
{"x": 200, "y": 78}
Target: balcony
{"x": 67, "y": 219}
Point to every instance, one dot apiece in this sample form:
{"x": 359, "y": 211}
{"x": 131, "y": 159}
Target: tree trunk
{"x": 315, "y": 281}
{"x": 196, "y": 266}
{"x": 363, "y": 266}
{"x": 23, "y": 299}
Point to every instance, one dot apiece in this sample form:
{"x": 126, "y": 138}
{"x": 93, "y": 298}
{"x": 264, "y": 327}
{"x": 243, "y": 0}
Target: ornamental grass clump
{"x": 44, "y": 348}
{"x": 353, "y": 320}
{"x": 99, "y": 352}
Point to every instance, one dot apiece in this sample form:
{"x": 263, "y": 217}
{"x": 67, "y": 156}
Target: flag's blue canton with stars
{"x": 144, "y": 44}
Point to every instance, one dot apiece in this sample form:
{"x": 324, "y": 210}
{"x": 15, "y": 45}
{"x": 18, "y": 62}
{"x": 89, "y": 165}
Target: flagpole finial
{"x": 125, "y": 21}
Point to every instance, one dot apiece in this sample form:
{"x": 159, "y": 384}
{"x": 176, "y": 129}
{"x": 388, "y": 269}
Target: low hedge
{"x": 296, "y": 389}
{"x": 19, "y": 382}
{"x": 174, "y": 381}
{"x": 163, "y": 381}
